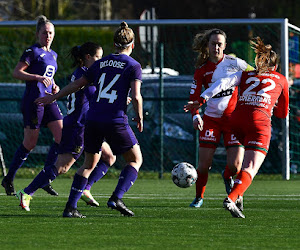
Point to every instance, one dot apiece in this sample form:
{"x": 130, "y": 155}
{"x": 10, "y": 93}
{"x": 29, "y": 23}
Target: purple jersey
{"x": 112, "y": 76}
{"x": 78, "y": 102}
{"x": 40, "y": 62}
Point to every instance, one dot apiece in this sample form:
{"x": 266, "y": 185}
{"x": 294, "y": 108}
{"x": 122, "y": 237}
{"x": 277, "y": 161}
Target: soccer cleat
{"x": 50, "y": 190}
{"x": 89, "y": 199}
{"x": 197, "y": 202}
{"x": 239, "y": 203}
{"x": 70, "y": 212}
{"x": 9, "y": 187}
{"x": 24, "y": 199}
{"x": 228, "y": 183}
{"x": 229, "y": 205}
{"x": 116, "y": 203}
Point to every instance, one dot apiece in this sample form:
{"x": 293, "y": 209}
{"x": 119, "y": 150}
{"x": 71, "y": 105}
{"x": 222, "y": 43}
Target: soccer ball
{"x": 184, "y": 175}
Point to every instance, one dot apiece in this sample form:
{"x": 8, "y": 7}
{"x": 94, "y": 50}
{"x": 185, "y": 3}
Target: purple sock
{"x": 52, "y": 155}
{"x": 17, "y": 162}
{"x": 77, "y": 188}
{"x": 49, "y": 173}
{"x": 127, "y": 178}
{"x": 99, "y": 171}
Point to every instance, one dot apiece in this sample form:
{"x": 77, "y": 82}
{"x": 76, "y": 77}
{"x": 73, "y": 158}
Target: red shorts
{"x": 254, "y": 134}
{"x": 213, "y": 128}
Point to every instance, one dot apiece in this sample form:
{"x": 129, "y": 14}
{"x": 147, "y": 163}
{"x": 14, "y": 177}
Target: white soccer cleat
{"x": 24, "y": 199}
{"x": 229, "y": 205}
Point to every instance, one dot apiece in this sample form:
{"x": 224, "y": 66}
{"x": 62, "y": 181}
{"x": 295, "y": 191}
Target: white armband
{"x": 196, "y": 117}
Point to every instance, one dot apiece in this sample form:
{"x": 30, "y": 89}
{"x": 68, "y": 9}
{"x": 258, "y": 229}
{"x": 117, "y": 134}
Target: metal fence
{"x": 168, "y": 137}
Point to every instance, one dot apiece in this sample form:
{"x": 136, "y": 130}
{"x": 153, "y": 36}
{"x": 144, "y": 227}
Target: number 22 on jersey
{"x": 104, "y": 92}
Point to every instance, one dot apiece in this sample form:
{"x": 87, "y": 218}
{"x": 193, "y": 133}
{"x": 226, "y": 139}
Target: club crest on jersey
{"x": 77, "y": 149}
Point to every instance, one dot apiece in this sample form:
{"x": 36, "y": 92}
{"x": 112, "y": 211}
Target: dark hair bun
{"x": 124, "y": 25}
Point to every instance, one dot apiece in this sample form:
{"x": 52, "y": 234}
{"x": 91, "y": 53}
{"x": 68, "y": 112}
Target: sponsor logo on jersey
{"x": 255, "y": 143}
{"x": 50, "y": 70}
{"x": 42, "y": 55}
{"x": 209, "y": 135}
{"x": 227, "y": 92}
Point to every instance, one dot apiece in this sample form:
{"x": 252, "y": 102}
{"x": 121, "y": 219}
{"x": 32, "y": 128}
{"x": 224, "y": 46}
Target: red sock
{"x": 201, "y": 184}
{"x": 241, "y": 184}
{"x": 227, "y": 173}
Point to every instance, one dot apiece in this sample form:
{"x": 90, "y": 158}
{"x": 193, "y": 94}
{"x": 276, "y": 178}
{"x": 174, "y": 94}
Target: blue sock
{"x": 99, "y": 171}
{"x": 52, "y": 155}
{"x": 77, "y": 188}
{"x": 127, "y": 178}
{"x": 17, "y": 162}
{"x": 49, "y": 173}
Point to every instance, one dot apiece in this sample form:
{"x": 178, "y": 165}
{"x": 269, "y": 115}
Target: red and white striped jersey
{"x": 207, "y": 74}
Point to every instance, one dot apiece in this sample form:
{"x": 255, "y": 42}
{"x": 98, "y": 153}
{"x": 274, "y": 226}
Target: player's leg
{"x": 29, "y": 142}
{"x": 235, "y": 155}
{"x": 79, "y": 183}
{"x": 55, "y": 127}
{"x": 205, "y": 162}
{"x": 107, "y": 159}
{"x": 128, "y": 176}
{"x": 48, "y": 174}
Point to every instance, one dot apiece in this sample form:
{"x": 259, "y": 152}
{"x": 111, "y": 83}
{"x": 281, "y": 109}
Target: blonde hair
{"x": 41, "y": 21}
{"x": 265, "y": 56}
{"x": 124, "y": 36}
{"x": 200, "y": 44}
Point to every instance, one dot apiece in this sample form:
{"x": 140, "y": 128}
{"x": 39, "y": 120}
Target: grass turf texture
{"x": 163, "y": 219}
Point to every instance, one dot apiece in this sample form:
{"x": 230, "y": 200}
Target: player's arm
{"x": 281, "y": 110}
{"x": 137, "y": 102}
{"x": 21, "y": 74}
{"x": 70, "y": 88}
{"x": 216, "y": 88}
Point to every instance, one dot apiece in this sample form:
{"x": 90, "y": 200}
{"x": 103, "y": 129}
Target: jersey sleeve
{"x": 222, "y": 85}
{"x": 196, "y": 88}
{"x": 281, "y": 110}
{"x": 243, "y": 65}
{"x": 27, "y": 56}
{"x": 136, "y": 73}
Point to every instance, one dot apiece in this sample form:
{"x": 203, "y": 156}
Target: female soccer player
{"x": 212, "y": 64}
{"x": 263, "y": 92}
{"x": 37, "y": 67}
{"x": 114, "y": 76}
{"x": 71, "y": 145}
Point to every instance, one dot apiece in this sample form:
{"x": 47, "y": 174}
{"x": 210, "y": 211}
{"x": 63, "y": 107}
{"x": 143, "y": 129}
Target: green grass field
{"x": 163, "y": 219}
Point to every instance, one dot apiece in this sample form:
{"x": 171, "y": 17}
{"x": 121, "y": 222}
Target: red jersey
{"x": 267, "y": 93}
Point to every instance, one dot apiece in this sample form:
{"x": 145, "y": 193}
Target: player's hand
{"x": 49, "y": 98}
{"x": 198, "y": 123}
{"x": 139, "y": 124}
{"x": 192, "y": 105}
{"x": 55, "y": 88}
{"x": 45, "y": 80}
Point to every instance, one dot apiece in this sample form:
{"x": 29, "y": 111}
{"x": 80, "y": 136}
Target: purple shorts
{"x": 72, "y": 141}
{"x": 36, "y": 116}
{"x": 120, "y": 137}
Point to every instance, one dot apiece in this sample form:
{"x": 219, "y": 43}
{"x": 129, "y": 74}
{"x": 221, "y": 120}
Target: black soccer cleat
{"x": 118, "y": 204}
{"x": 50, "y": 190}
{"x": 9, "y": 186}
{"x": 70, "y": 212}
